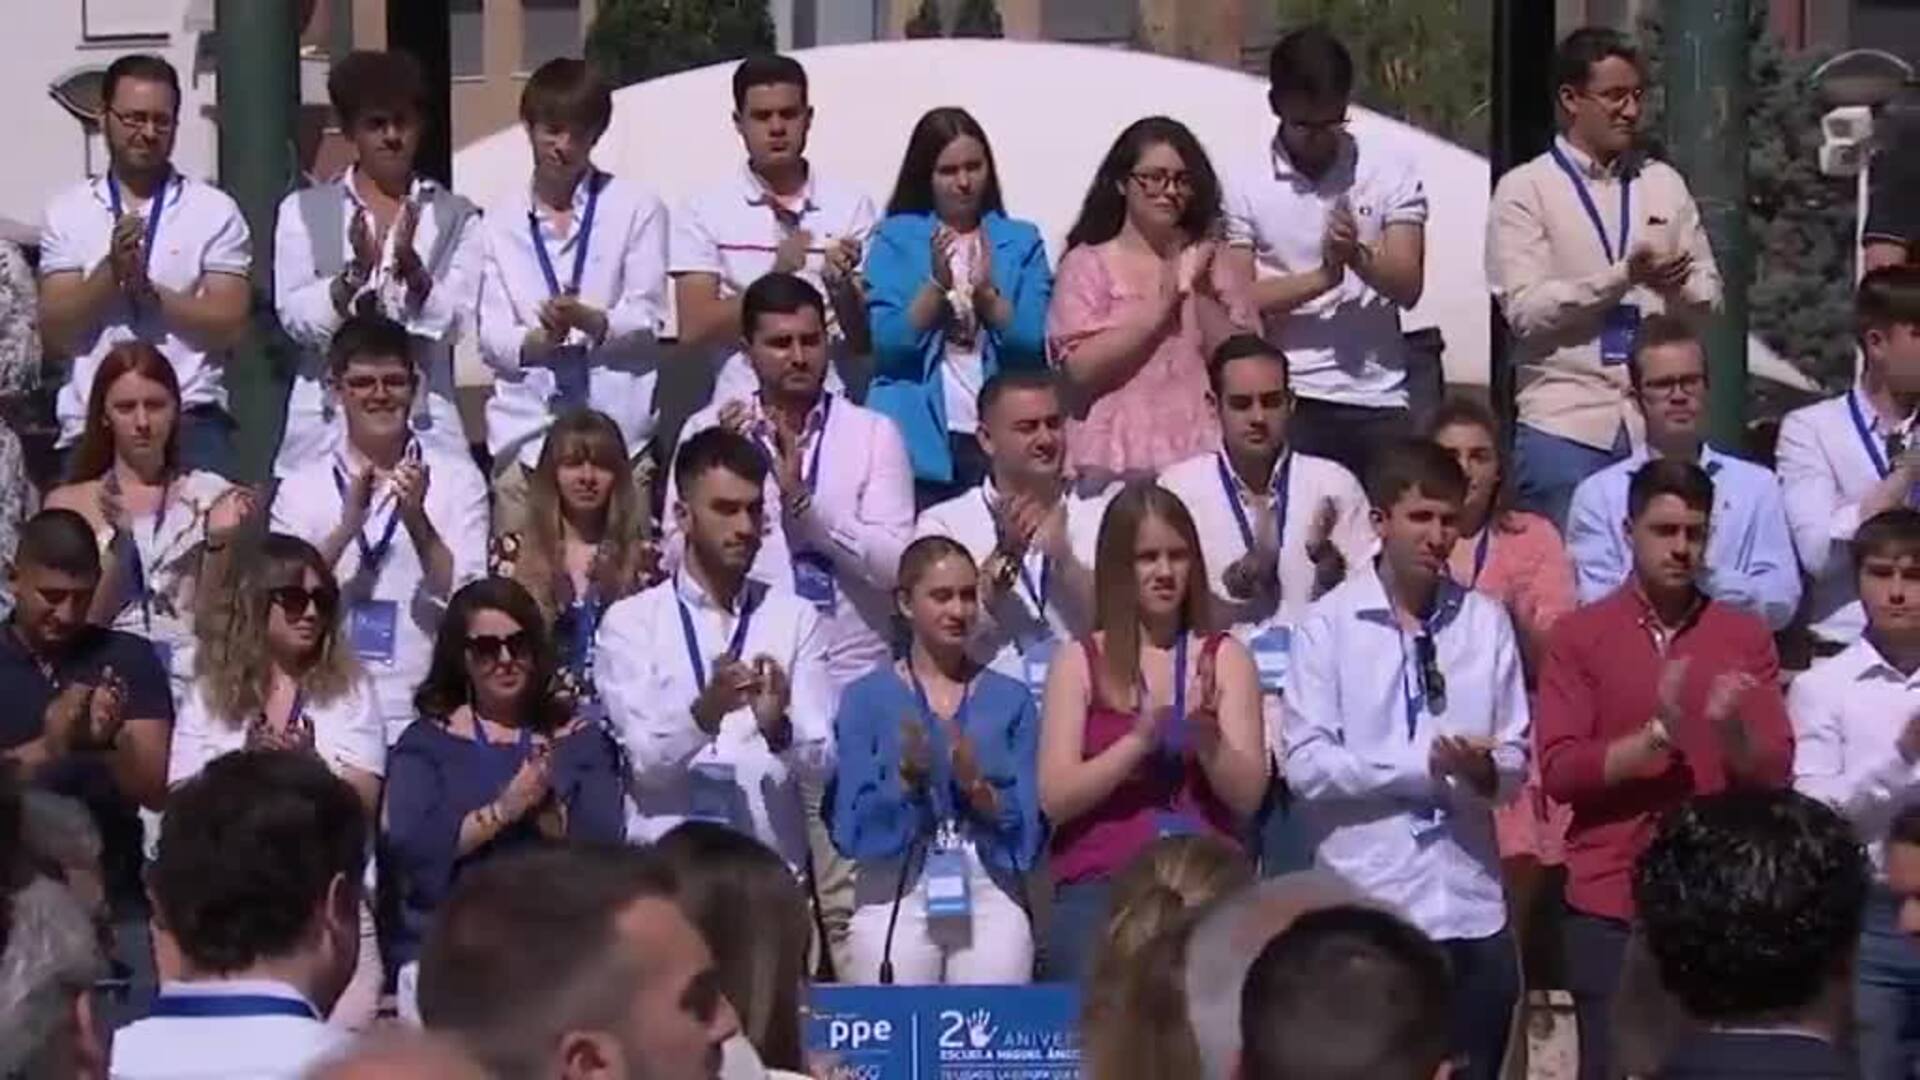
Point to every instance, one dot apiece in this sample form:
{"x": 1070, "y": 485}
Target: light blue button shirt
{"x": 1750, "y": 560}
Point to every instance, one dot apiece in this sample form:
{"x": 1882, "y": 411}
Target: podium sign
{"x": 946, "y": 1032}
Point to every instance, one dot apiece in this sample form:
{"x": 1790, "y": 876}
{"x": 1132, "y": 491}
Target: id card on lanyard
{"x": 813, "y": 572}
{"x": 1172, "y": 747}
{"x": 118, "y": 207}
{"x": 568, "y": 362}
{"x": 140, "y": 574}
{"x": 1882, "y": 462}
{"x": 946, "y": 869}
{"x": 372, "y": 625}
{"x": 1622, "y": 322}
{"x": 712, "y": 793}
{"x": 1271, "y": 647}
{"x": 1037, "y": 647}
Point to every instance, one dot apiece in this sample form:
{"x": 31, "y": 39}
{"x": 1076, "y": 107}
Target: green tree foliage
{"x": 926, "y": 21}
{"x": 977, "y": 19}
{"x": 1802, "y": 223}
{"x": 634, "y": 40}
{"x": 1427, "y": 62}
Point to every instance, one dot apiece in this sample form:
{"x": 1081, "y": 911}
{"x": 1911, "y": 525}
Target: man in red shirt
{"x": 1648, "y": 697}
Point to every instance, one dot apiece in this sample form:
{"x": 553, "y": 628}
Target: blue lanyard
{"x": 587, "y": 613}
{"x": 1480, "y": 553}
{"x": 1593, "y": 211}
{"x": 153, "y": 211}
{"x": 931, "y": 718}
{"x": 140, "y": 572}
{"x": 371, "y": 555}
{"x": 210, "y": 1006}
{"x": 1280, "y": 488}
{"x": 580, "y": 242}
{"x": 748, "y": 604}
{"x": 1875, "y": 453}
{"x": 1045, "y": 588}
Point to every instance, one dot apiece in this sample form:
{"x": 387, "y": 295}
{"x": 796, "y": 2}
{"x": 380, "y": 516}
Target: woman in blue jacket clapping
{"x": 956, "y": 291}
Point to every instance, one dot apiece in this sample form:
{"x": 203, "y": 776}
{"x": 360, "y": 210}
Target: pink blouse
{"x": 1528, "y": 570}
{"x": 1160, "y": 415}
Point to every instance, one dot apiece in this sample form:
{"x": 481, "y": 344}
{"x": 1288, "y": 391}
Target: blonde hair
{"x": 232, "y": 665}
{"x": 582, "y": 435}
{"x": 1116, "y": 609}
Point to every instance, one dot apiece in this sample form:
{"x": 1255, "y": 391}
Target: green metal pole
{"x": 1705, "y": 77}
{"x": 259, "y": 98}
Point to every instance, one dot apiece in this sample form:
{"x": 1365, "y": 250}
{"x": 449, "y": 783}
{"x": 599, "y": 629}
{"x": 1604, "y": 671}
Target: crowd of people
{"x": 1127, "y": 589}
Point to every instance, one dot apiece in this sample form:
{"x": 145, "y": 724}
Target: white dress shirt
{"x": 861, "y": 519}
{"x": 1749, "y": 564}
{"x": 310, "y": 504}
{"x": 1309, "y": 481}
{"x": 242, "y": 1047}
{"x": 731, "y": 231}
{"x": 347, "y": 733}
{"x": 1359, "y": 733}
{"x": 1018, "y": 636}
{"x": 303, "y": 298}
{"x": 1826, "y": 468}
{"x": 1848, "y": 711}
{"x": 1344, "y": 345}
{"x": 625, "y": 275}
{"x": 201, "y": 232}
{"x": 644, "y": 668}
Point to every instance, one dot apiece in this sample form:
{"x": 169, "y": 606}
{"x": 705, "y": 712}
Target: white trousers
{"x": 991, "y": 945}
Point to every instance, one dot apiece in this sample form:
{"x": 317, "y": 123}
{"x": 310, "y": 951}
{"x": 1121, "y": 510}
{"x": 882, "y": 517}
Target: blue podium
{"x": 946, "y": 1032}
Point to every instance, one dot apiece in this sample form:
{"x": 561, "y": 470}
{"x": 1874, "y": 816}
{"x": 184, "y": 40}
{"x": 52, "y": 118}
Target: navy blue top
{"x": 86, "y": 777}
{"x": 872, "y": 815}
{"x": 436, "y": 778}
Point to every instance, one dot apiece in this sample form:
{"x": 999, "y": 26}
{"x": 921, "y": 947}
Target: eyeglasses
{"x": 1433, "y": 682}
{"x": 365, "y": 385}
{"x": 1319, "y": 127}
{"x": 1155, "y": 181}
{"x": 499, "y": 648}
{"x": 1616, "y": 97}
{"x": 295, "y": 601}
{"x": 158, "y": 123}
{"x": 1674, "y": 384}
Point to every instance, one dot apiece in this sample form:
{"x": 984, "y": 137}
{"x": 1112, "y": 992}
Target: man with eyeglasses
{"x": 146, "y": 253}
{"x": 1582, "y": 242}
{"x": 1406, "y": 721}
{"x": 89, "y": 715}
{"x": 403, "y": 522}
{"x": 1750, "y": 562}
{"x": 1326, "y": 224}
{"x": 1648, "y": 697}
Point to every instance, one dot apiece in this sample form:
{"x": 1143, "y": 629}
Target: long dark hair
{"x": 1458, "y": 411}
{"x": 446, "y": 686}
{"x": 913, "y": 190}
{"x": 94, "y": 454}
{"x": 1105, "y": 209}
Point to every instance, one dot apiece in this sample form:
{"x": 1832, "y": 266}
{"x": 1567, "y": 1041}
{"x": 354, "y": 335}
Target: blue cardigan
{"x": 906, "y": 362}
{"x": 871, "y": 816}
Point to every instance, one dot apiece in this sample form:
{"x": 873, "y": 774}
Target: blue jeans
{"x": 1547, "y": 468}
{"x": 1887, "y": 994}
{"x": 1074, "y": 928}
{"x": 1486, "y": 983}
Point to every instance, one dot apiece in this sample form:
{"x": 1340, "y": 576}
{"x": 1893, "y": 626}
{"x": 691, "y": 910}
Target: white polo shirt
{"x": 1848, "y": 711}
{"x": 624, "y": 274}
{"x": 1342, "y": 346}
{"x": 644, "y": 667}
{"x": 263, "y": 1038}
{"x": 731, "y": 231}
{"x": 1018, "y": 635}
{"x": 310, "y": 503}
{"x": 201, "y": 232}
{"x": 303, "y": 298}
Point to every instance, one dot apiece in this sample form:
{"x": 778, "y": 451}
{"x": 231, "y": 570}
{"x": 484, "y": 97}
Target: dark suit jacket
{"x": 1711, "y": 1055}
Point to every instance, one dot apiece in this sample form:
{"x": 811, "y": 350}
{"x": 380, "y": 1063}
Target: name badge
{"x": 1622, "y": 325}
{"x": 813, "y": 580}
{"x": 569, "y": 366}
{"x": 1169, "y": 823}
{"x": 370, "y": 626}
{"x": 712, "y": 792}
{"x": 946, "y": 877}
{"x": 1036, "y": 659}
{"x": 1271, "y": 649}
{"x": 1425, "y": 820}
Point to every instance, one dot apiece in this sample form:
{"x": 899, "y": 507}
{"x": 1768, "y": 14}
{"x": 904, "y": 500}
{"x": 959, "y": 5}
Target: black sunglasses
{"x": 295, "y": 601}
{"x": 1433, "y": 683}
{"x": 496, "y": 647}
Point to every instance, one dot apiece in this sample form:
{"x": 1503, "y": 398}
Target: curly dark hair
{"x": 248, "y": 850}
{"x": 1751, "y": 902}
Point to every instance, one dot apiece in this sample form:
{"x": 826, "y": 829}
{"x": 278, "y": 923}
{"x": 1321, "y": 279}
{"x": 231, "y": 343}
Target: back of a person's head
{"x": 1173, "y": 876}
{"x": 1143, "y": 1034}
{"x": 1751, "y": 905}
{"x": 1227, "y": 935}
{"x": 250, "y": 849}
{"x": 1345, "y": 993}
{"x": 400, "y": 1055}
{"x": 742, "y": 897}
{"x": 49, "y": 961}
{"x": 527, "y": 949}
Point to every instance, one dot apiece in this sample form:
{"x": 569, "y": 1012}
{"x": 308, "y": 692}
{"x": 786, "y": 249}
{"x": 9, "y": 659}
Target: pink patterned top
{"x": 1160, "y": 415}
{"x": 1528, "y": 570}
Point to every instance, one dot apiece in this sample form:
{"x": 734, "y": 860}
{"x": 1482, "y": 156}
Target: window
{"x": 548, "y": 28}
{"x": 466, "y": 38}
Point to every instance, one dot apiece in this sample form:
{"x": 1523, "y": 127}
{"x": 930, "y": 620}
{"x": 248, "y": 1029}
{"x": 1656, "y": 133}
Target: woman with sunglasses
{"x": 153, "y": 519}
{"x": 495, "y": 760}
{"x": 956, "y": 291}
{"x": 1140, "y": 303}
{"x": 936, "y": 798}
{"x": 274, "y": 671}
{"x": 585, "y": 542}
{"x": 1152, "y": 726}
